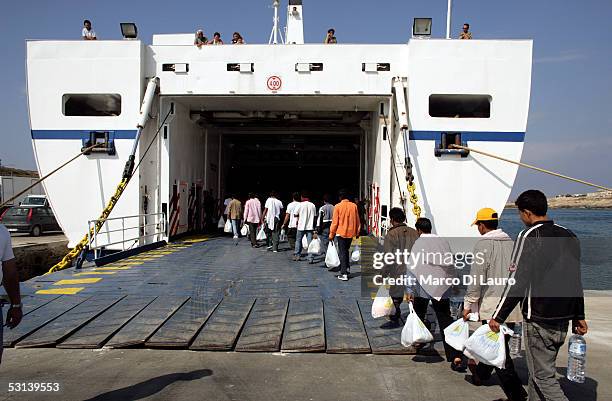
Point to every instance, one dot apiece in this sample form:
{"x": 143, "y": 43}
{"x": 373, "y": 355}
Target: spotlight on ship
{"x": 421, "y": 28}
{"x": 129, "y": 30}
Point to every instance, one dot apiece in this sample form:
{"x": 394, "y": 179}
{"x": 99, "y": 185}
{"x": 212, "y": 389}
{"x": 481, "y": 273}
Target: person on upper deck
{"x": 237, "y": 39}
{"x": 88, "y": 33}
{"x": 216, "y": 40}
{"x": 200, "y": 39}
{"x": 466, "y": 34}
{"x": 330, "y": 39}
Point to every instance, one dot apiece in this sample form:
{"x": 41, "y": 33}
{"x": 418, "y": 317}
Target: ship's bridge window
{"x": 91, "y": 105}
{"x": 460, "y": 106}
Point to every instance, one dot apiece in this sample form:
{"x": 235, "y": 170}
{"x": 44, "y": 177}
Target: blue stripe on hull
{"x": 470, "y": 136}
{"x": 80, "y": 134}
{"x": 414, "y": 135}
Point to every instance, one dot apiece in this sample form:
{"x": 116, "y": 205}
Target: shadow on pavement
{"x": 150, "y": 387}
{"x": 586, "y": 391}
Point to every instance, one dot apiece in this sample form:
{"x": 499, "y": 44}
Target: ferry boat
{"x": 291, "y": 116}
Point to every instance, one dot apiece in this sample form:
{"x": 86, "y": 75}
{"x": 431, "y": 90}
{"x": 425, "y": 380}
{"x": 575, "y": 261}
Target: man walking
{"x": 548, "y": 284}
{"x": 234, "y": 212}
{"x": 400, "y": 238}
{"x": 492, "y": 258}
{"x": 324, "y": 220}
{"x": 252, "y": 217}
{"x": 290, "y": 221}
{"x": 271, "y": 219}
{"x": 345, "y": 226}
{"x": 10, "y": 279}
{"x": 306, "y": 214}
{"x": 430, "y": 257}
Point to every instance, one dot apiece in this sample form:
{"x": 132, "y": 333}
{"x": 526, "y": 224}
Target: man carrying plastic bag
{"x": 414, "y": 331}
{"x": 400, "y": 238}
{"x": 493, "y": 257}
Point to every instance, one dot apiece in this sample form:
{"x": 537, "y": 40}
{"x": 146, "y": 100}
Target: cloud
{"x": 563, "y": 57}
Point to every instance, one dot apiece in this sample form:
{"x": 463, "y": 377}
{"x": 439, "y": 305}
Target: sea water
{"x": 593, "y": 227}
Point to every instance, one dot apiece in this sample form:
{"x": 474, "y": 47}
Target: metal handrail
{"x": 159, "y": 224}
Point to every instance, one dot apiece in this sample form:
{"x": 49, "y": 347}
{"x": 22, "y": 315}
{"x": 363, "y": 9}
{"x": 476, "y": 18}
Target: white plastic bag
{"x": 356, "y": 254}
{"x": 331, "y": 256}
{"x": 305, "y": 242}
{"x": 414, "y": 331}
{"x": 383, "y": 304}
{"x": 487, "y": 346}
{"x": 244, "y": 230}
{"x": 315, "y": 247}
{"x": 457, "y": 333}
{"x": 221, "y": 222}
{"x": 261, "y": 234}
{"x": 228, "y": 226}
{"x": 283, "y": 236}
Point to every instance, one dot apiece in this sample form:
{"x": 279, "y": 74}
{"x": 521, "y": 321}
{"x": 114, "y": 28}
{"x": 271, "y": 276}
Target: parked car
{"x": 35, "y": 200}
{"x": 30, "y": 219}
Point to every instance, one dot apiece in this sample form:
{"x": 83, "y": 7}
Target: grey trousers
{"x": 542, "y": 344}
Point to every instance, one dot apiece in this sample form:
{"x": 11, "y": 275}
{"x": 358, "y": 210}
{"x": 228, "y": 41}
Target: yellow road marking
{"x": 130, "y": 263}
{"x": 114, "y": 268}
{"x": 61, "y": 291}
{"x": 93, "y": 272}
{"x": 79, "y": 281}
{"x": 195, "y": 241}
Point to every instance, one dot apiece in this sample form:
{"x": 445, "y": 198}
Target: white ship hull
{"x": 216, "y": 108}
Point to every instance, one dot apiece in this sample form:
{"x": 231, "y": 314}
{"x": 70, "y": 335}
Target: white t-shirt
{"x": 6, "y": 250}
{"x": 306, "y": 213}
{"x": 292, "y": 209}
{"x": 274, "y": 207}
{"x": 88, "y": 34}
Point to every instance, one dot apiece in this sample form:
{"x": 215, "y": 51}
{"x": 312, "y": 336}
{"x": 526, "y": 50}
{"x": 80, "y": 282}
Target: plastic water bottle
{"x": 576, "y": 359}
{"x": 456, "y": 307}
{"x": 515, "y": 341}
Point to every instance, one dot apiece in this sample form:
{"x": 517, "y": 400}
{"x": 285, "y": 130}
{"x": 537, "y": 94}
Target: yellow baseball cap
{"x": 486, "y": 214}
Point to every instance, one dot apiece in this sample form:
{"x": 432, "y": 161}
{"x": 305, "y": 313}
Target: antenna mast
{"x": 449, "y": 11}
{"x": 275, "y": 27}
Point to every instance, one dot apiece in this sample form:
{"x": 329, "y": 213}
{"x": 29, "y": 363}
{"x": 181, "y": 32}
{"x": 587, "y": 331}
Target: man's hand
{"x": 466, "y": 312}
{"x": 580, "y": 327}
{"x": 494, "y": 326}
{"x": 13, "y": 317}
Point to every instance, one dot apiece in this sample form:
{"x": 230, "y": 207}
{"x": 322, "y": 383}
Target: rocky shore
{"x": 578, "y": 201}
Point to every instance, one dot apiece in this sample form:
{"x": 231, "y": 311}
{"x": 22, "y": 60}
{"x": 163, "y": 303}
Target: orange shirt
{"x": 345, "y": 221}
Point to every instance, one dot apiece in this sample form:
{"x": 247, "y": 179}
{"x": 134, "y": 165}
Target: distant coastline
{"x": 594, "y": 200}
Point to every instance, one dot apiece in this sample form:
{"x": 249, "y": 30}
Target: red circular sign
{"x": 274, "y": 83}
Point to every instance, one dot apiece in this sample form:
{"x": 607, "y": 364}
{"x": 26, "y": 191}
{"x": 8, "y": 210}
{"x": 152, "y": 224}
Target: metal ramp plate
{"x": 263, "y": 330}
{"x": 182, "y": 327}
{"x": 144, "y": 325}
{"x": 222, "y": 329}
{"x": 304, "y": 327}
{"x": 382, "y": 341}
{"x": 96, "y": 332}
{"x": 40, "y": 317}
{"x": 69, "y": 322}
{"x": 344, "y": 327}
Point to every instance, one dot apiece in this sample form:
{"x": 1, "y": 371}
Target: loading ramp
{"x": 214, "y": 294}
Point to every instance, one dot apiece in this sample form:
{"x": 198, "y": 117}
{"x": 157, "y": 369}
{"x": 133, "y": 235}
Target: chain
{"x": 414, "y": 199}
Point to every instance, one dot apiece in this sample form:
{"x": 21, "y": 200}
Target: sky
{"x": 570, "y": 120}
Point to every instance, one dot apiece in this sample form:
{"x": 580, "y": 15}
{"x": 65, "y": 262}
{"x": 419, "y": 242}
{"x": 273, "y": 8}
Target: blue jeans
{"x": 236, "y": 227}
{"x": 298, "y": 243}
